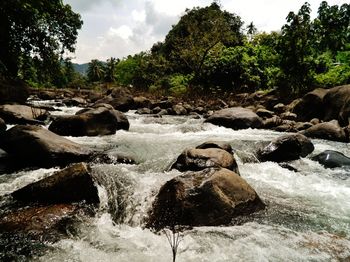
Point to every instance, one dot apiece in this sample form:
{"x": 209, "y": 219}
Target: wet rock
{"x": 286, "y": 148}
{"x": 315, "y": 121}
{"x": 311, "y": 105}
{"x": 178, "y": 109}
{"x": 112, "y": 158}
{"x": 302, "y": 125}
{"x": 94, "y": 122}
{"x": 212, "y": 144}
{"x": 264, "y": 113}
{"x": 141, "y": 102}
{"x": 279, "y": 108}
{"x": 327, "y": 130}
{"x": 13, "y": 91}
{"x": 272, "y": 122}
{"x": 3, "y": 126}
{"x": 21, "y": 114}
{"x": 235, "y": 118}
{"x": 143, "y": 111}
{"x": 45, "y": 222}
{"x": 288, "y": 116}
{"x": 210, "y": 197}
{"x": 288, "y": 166}
{"x": 35, "y": 145}
{"x": 75, "y": 101}
{"x": 197, "y": 159}
{"x": 337, "y": 104}
{"x": 72, "y": 184}
{"x": 156, "y": 110}
{"x": 332, "y": 159}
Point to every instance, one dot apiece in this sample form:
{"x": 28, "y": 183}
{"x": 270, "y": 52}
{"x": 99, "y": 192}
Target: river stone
{"x": 94, "y": 122}
{"x": 211, "y": 144}
{"x": 336, "y": 104}
{"x": 264, "y": 113}
{"x": 46, "y": 222}
{"x": 286, "y": 148}
{"x": 211, "y": 197}
{"x": 3, "y": 126}
{"x": 35, "y": 145}
{"x": 179, "y": 109}
{"x": 327, "y": 130}
{"x": 72, "y": 184}
{"x": 197, "y": 159}
{"x": 331, "y": 159}
{"x": 120, "y": 98}
{"x": 311, "y": 105}
{"x": 235, "y": 118}
{"x": 22, "y": 114}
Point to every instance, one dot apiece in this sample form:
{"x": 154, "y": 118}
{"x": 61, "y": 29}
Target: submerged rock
{"x": 35, "y": 145}
{"x": 92, "y": 122}
{"x": 197, "y": 159}
{"x": 332, "y": 159}
{"x": 210, "y": 197}
{"x": 21, "y": 114}
{"x": 327, "y": 130}
{"x": 286, "y": 148}
{"x": 235, "y": 118}
{"x": 72, "y": 184}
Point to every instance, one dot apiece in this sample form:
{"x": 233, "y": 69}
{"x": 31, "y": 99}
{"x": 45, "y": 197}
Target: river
{"x": 307, "y": 216}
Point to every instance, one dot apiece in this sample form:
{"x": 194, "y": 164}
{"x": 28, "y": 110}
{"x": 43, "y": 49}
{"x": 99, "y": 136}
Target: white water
{"x": 307, "y": 218}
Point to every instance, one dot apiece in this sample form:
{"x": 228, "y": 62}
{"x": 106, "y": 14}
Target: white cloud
{"x": 139, "y": 16}
{"x": 123, "y": 32}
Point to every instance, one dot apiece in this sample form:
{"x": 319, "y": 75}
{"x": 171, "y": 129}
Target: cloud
{"x": 123, "y": 32}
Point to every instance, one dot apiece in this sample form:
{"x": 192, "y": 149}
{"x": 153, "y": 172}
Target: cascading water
{"x": 307, "y": 217}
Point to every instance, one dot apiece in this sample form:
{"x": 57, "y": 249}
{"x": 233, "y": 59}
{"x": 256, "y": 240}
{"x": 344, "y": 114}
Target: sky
{"x": 118, "y": 28}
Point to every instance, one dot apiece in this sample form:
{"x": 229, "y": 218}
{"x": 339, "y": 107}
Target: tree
{"x": 110, "y": 70}
{"x": 251, "y": 31}
{"x": 189, "y": 42}
{"x": 95, "y": 71}
{"x": 42, "y": 29}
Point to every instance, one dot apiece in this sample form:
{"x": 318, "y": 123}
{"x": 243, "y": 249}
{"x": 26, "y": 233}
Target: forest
{"x": 208, "y": 51}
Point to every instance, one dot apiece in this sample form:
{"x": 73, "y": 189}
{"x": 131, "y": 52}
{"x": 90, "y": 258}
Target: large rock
{"x": 332, "y": 159}
{"x": 3, "y": 126}
{"x": 35, "y": 145}
{"x": 93, "y": 122}
{"x": 235, "y": 118}
{"x": 311, "y": 105}
{"x": 210, "y": 197}
{"x": 22, "y": 114}
{"x": 213, "y": 144}
{"x": 197, "y": 159}
{"x": 336, "y": 104}
{"x": 119, "y": 98}
{"x": 13, "y": 91}
{"x": 286, "y": 148}
{"x": 72, "y": 184}
{"x": 328, "y": 131}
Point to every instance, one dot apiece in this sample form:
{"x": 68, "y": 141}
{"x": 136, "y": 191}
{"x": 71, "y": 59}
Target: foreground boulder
{"x": 235, "y": 118}
{"x": 35, "y": 145}
{"x": 332, "y": 159}
{"x": 198, "y": 159}
{"x": 3, "y": 126}
{"x": 21, "y": 114}
{"x": 93, "y": 122}
{"x": 328, "y": 131}
{"x": 72, "y": 184}
{"x": 286, "y": 148}
{"x": 210, "y": 197}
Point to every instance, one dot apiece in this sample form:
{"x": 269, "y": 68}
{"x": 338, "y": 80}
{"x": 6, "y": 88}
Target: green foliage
{"x": 110, "y": 70}
{"x": 337, "y": 75}
{"x": 96, "y": 71}
{"x": 41, "y": 29}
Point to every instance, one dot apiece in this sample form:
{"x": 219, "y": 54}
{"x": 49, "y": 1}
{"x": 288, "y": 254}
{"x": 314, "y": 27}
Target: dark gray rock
{"x": 332, "y": 159}
{"x": 22, "y": 114}
{"x": 327, "y": 130}
{"x": 286, "y": 148}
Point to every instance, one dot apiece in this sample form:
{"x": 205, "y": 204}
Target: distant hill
{"x": 81, "y": 68}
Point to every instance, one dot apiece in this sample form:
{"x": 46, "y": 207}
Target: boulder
{"x": 13, "y": 91}
{"x": 72, "y": 184}
{"x": 235, "y": 118}
{"x": 286, "y": 148}
{"x": 211, "y": 197}
{"x": 197, "y": 159}
{"x": 288, "y": 116}
{"x": 94, "y": 122}
{"x": 141, "y": 102}
{"x": 279, "y": 108}
{"x": 212, "y": 144}
{"x": 143, "y": 111}
{"x": 22, "y": 114}
{"x": 264, "y": 113}
{"x": 179, "y": 109}
{"x": 328, "y": 131}
{"x": 75, "y": 101}
{"x": 272, "y": 122}
{"x": 35, "y": 145}
{"x": 336, "y": 104}
{"x": 3, "y": 126}
{"x": 332, "y": 159}
{"x": 311, "y": 105}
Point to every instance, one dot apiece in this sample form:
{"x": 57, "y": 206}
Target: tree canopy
{"x": 43, "y": 29}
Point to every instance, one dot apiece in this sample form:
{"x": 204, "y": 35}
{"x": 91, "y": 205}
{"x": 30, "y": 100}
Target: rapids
{"x": 307, "y": 216}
